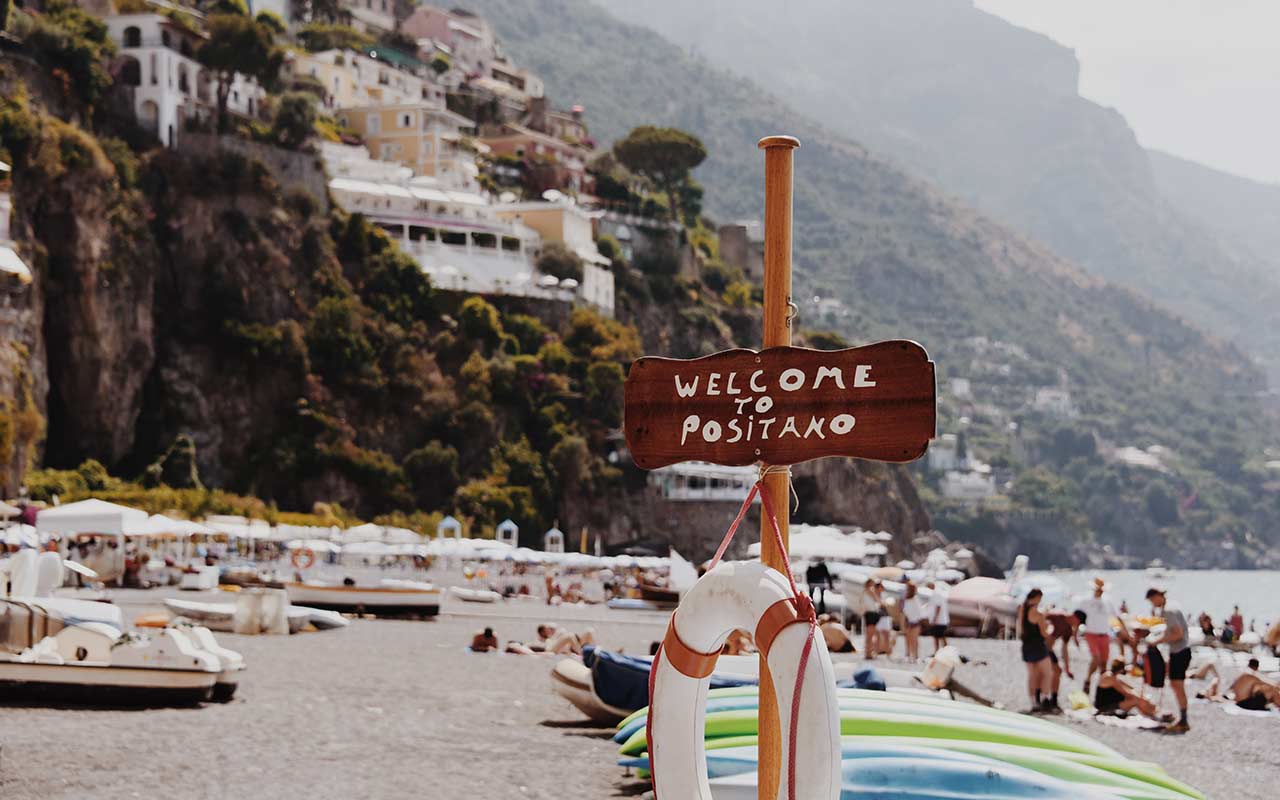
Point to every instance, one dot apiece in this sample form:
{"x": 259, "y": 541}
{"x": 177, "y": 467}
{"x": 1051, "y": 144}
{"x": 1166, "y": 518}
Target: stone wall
{"x": 294, "y": 170}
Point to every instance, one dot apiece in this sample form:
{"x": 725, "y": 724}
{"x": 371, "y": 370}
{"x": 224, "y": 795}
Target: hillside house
{"x": 563, "y": 221}
{"x": 567, "y": 168}
{"x": 352, "y": 79}
{"x": 156, "y": 64}
{"x": 699, "y": 480}
{"x": 426, "y": 137}
{"x": 1054, "y": 401}
{"x": 968, "y": 487}
{"x": 470, "y": 41}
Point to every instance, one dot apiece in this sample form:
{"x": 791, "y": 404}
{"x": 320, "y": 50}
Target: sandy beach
{"x": 400, "y": 709}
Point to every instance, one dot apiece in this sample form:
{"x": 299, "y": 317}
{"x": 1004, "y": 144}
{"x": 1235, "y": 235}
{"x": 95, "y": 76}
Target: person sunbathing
{"x": 484, "y": 641}
{"x": 836, "y": 635}
{"x": 739, "y": 643}
{"x": 555, "y": 640}
{"x": 1249, "y": 691}
{"x": 1115, "y": 697}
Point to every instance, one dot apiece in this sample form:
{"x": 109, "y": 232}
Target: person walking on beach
{"x": 1098, "y": 613}
{"x": 913, "y": 614}
{"x": 939, "y": 615}
{"x": 1175, "y": 636}
{"x": 873, "y": 601}
{"x": 1035, "y": 653}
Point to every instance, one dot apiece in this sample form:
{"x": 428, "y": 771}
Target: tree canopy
{"x": 663, "y": 155}
{"x": 237, "y": 43}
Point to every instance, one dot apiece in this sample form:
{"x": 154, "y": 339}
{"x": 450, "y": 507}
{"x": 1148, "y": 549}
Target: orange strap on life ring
{"x": 303, "y": 557}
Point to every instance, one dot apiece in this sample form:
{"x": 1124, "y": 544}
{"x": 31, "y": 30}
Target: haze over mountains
{"x": 991, "y": 113}
{"x": 907, "y": 260}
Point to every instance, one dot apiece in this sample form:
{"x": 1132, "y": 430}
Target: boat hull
{"x": 104, "y": 686}
{"x": 380, "y": 601}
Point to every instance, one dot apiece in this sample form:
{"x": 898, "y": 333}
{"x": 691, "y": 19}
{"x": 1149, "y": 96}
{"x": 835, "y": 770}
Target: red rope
{"x": 804, "y": 605}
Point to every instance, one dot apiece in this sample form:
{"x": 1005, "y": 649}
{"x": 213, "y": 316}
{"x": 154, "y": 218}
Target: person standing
{"x": 1032, "y": 625}
{"x": 873, "y": 603}
{"x": 1098, "y": 613}
{"x": 913, "y": 614}
{"x": 1175, "y": 636}
{"x": 1237, "y": 622}
{"x": 818, "y": 577}
{"x": 939, "y": 614}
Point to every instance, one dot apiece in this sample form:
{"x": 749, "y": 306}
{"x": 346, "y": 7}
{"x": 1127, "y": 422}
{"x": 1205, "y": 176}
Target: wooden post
{"x": 777, "y": 333}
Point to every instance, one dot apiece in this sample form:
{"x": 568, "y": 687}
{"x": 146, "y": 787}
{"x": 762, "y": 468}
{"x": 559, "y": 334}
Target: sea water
{"x": 1216, "y": 591}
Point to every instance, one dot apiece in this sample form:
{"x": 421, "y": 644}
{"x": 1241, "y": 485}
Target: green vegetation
{"x": 237, "y": 43}
{"x": 318, "y": 37}
{"x": 295, "y": 120}
{"x": 665, "y": 156}
{"x": 73, "y": 45}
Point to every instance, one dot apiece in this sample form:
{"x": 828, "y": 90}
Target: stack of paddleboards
{"x": 910, "y": 746}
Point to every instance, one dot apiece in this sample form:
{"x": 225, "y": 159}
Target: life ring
{"x": 303, "y": 557}
{"x": 748, "y": 595}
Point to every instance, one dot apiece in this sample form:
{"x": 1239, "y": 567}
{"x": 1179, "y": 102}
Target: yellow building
{"x": 425, "y": 137}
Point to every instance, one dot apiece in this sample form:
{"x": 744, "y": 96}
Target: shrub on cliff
{"x": 559, "y": 261}
{"x": 295, "y": 120}
{"x": 74, "y": 46}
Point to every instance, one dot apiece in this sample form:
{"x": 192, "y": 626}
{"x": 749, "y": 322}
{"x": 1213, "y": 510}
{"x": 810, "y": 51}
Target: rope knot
{"x": 804, "y": 608}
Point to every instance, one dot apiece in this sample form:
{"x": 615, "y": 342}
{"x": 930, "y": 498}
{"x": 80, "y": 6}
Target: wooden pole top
{"x": 789, "y": 142}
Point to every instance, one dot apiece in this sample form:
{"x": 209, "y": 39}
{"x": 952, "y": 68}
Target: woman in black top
{"x": 1035, "y": 653}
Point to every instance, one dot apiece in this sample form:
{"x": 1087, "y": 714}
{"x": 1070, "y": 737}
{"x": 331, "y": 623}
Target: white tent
{"x": 316, "y": 545}
{"x": 367, "y": 532}
{"x": 396, "y": 535}
{"x": 91, "y": 516}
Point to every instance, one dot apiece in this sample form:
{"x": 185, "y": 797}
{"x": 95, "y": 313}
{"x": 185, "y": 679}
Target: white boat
{"x": 69, "y": 650}
{"x": 474, "y": 595}
{"x": 222, "y": 616}
{"x": 386, "y": 597}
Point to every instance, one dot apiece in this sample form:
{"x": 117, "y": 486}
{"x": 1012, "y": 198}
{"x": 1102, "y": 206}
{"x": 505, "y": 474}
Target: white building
{"x": 355, "y": 79}
{"x": 1055, "y": 401}
{"x": 944, "y": 453}
{"x": 968, "y": 486}
{"x": 156, "y": 58}
{"x": 565, "y": 221}
{"x": 699, "y": 480}
{"x": 961, "y": 389}
{"x": 10, "y": 262}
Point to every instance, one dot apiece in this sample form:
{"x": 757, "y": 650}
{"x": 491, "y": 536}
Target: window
{"x": 155, "y": 78}
{"x": 132, "y": 36}
{"x": 426, "y": 146}
{"x": 406, "y": 120}
{"x": 373, "y": 122}
{"x": 164, "y": 38}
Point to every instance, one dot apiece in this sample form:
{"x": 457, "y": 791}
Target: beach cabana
{"x": 509, "y": 532}
{"x": 367, "y": 532}
{"x": 449, "y": 527}
{"x": 553, "y": 541}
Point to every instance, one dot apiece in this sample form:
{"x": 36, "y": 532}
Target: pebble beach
{"x": 391, "y": 708}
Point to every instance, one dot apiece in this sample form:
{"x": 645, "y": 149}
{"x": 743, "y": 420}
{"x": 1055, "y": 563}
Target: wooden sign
{"x": 782, "y": 405}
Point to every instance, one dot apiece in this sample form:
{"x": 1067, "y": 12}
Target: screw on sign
{"x": 782, "y": 405}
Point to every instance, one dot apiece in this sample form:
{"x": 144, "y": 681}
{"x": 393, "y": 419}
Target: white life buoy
{"x": 750, "y": 596}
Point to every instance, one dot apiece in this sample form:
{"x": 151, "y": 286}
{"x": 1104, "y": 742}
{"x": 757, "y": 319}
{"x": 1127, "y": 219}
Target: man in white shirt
{"x": 938, "y": 617}
{"x": 1099, "y": 612}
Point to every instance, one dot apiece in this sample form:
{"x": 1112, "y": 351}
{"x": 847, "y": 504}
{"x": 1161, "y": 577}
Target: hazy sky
{"x": 1196, "y": 78}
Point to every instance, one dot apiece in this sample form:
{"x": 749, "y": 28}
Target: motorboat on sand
{"x": 388, "y": 597}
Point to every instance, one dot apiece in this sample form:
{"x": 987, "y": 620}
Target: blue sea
{"x": 1257, "y": 592}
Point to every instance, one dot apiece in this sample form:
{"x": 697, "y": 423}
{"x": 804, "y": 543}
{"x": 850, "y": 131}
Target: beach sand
{"x": 392, "y": 709}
